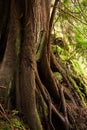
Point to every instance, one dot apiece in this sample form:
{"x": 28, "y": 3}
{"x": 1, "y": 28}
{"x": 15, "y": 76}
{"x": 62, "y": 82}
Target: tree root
{"x": 68, "y": 95}
{"x": 49, "y": 80}
{"x": 64, "y": 108}
{"x": 57, "y": 67}
{"x": 51, "y": 108}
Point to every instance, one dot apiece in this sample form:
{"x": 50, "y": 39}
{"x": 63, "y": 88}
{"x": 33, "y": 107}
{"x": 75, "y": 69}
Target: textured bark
{"x": 9, "y": 59}
{"x": 45, "y": 102}
{"x": 28, "y": 66}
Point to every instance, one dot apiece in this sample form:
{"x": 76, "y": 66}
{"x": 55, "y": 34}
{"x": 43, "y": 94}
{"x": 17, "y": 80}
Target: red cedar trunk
{"x": 28, "y": 66}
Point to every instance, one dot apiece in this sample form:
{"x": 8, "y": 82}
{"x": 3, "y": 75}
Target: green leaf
{"x": 76, "y": 66}
{"x": 83, "y": 43}
{"x": 17, "y": 123}
{"x": 66, "y": 2}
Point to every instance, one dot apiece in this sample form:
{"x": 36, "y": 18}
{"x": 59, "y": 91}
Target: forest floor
{"x": 10, "y": 120}
{"x": 80, "y": 118}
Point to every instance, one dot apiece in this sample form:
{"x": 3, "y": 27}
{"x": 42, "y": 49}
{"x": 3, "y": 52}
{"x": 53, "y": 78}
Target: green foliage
{"x": 6, "y": 128}
{"x": 64, "y": 55}
{"x": 76, "y": 69}
{"x": 80, "y": 36}
{"x": 14, "y": 123}
{"x": 58, "y": 76}
{"x": 84, "y": 3}
{"x": 11, "y": 123}
{"x": 66, "y": 2}
{"x": 76, "y": 66}
{"x": 71, "y": 23}
{"x": 82, "y": 42}
{"x": 17, "y": 124}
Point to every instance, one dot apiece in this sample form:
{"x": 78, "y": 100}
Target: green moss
{"x": 58, "y": 76}
{"x": 81, "y": 95}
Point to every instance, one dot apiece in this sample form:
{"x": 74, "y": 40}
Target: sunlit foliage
{"x": 70, "y": 25}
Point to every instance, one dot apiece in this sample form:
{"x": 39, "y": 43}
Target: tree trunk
{"x": 28, "y": 67}
{"x": 27, "y": 60}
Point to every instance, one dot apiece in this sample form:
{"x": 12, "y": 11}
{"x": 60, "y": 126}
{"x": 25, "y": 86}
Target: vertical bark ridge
{"x": 28, "y": 66}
